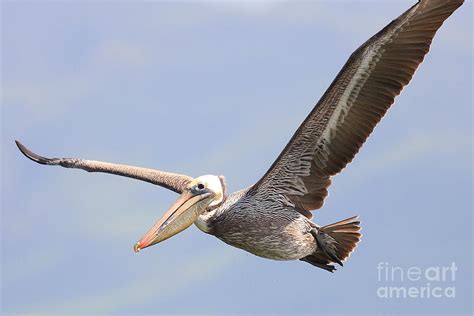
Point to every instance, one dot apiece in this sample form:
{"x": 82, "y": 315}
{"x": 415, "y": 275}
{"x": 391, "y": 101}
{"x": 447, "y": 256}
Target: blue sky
{"x": 142, "y": 82}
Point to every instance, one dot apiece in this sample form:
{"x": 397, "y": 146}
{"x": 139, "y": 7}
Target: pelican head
{"x": 200, "y": 194}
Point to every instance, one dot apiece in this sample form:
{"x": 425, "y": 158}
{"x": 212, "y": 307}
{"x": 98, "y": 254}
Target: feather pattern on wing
{"x": 172, "y": 181}
{"x": 355, "y": 102}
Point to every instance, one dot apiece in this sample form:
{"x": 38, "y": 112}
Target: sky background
{"x": 219, "y": 87}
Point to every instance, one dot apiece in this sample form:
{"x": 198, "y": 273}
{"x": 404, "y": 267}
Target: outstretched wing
{"x": 355, "y": 102}
{"x": 171, "y": 181}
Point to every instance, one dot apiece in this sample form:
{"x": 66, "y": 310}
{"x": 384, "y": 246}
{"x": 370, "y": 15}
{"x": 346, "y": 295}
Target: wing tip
{"x": 32, "y": 156}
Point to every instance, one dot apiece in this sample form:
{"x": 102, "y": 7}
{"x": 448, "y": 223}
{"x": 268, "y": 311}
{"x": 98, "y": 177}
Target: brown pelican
{"x": 271, "y": 218}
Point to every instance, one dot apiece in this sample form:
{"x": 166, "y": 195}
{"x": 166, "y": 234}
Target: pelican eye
{"x": 200, "y": 186}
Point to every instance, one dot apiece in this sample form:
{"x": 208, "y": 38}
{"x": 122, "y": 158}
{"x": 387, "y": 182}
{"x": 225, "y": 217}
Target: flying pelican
{"x": 271, "y": 218}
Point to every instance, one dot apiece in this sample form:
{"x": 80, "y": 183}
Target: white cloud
{"x": 154, "y": 286}
{"x": 414, "y": 149}
{"x": 247, "y": 6}
{"x": 121, "y": 53}
{"x": 43, "y": 97}
{"x": 31, "y": 264}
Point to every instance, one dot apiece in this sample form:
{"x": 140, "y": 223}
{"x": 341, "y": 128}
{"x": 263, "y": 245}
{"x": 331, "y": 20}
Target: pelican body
{"x": 272, "y": 218}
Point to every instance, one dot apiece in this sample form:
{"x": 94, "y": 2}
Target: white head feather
{"x": 214, "y": 184}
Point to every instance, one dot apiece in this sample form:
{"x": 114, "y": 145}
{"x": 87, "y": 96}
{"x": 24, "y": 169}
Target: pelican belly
{"x": 280, "y": 235}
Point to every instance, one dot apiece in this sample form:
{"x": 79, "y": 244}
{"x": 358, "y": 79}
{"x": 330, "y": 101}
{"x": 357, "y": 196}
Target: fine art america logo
{"x": 416, "y": 282}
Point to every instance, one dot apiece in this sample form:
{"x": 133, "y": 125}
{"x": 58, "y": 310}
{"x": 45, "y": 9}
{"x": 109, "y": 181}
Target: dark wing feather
{"x": 355, "y": 102}
{"x": 171, "y": 181}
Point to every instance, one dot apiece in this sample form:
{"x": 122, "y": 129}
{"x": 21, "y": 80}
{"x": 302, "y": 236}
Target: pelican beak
{"x": 179, "y": 216}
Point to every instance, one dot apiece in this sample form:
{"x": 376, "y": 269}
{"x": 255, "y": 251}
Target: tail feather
{"x": 335, "y": 243}
{"x": 346, "y": 234}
